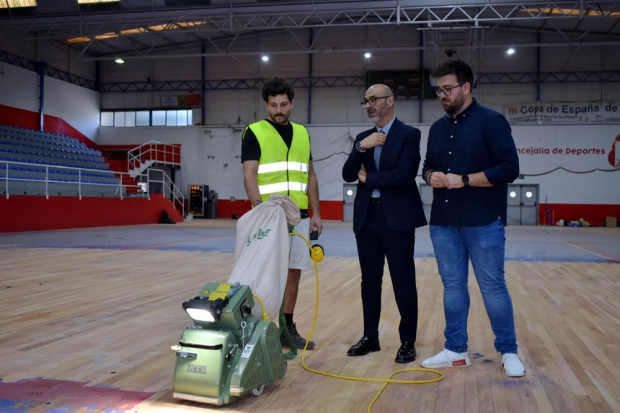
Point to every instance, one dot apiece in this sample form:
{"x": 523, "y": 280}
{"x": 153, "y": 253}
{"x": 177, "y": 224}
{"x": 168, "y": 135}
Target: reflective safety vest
{"x": 283, "y": 170}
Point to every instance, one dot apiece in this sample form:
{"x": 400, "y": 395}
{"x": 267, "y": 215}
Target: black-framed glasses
{"x": 371, "y": 100}
{"x": 447, "y": 90}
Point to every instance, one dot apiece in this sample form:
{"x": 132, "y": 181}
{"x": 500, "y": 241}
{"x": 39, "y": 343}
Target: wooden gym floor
{"x": 88, "y": 318}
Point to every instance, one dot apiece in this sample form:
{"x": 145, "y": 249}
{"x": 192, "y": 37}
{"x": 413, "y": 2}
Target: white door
{"x": 348, "y": 197}
{"x": 514, "y": 205}
{"x": 522, "y": 204}
{"x": 529, "y": 204}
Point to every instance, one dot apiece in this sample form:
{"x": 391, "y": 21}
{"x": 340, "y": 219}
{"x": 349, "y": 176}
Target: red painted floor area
{"x": 65, "y": 396}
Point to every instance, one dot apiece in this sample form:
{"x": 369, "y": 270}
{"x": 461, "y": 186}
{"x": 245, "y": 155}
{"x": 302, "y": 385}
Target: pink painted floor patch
{"x": 65, "y": 397}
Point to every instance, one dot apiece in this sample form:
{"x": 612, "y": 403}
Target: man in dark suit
{"x": 386, "y": 213}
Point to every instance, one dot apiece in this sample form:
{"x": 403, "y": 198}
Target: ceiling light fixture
{"x": 119, "y": 61}
{"x": 13, "y": 4}
{"x": 97, "y": 1}
{"x": 367, "y": 55}
{"x": 265, "y": 58}
{"x": 510, "y": 51}
{"x": 138, "y": 30}
{"x": 571, "y": 12}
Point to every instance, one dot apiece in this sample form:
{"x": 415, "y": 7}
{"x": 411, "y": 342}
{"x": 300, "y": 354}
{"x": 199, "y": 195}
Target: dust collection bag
{"x": 262, "y": 250}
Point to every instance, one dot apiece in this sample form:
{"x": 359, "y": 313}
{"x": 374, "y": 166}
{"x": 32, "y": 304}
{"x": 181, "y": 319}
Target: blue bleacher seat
{"x": 41, "y": 153}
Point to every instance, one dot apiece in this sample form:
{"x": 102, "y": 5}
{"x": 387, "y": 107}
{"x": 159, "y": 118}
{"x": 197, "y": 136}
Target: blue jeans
{"x": 453, "y": 247}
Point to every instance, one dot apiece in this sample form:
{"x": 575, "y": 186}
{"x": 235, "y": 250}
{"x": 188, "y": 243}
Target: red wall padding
{"x": 27, "y": 119}
{"x": 593, "y": 213}
{"x": 35, "y": 213}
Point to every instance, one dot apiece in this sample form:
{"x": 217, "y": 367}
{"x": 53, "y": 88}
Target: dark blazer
{"x": 399, "y": 163}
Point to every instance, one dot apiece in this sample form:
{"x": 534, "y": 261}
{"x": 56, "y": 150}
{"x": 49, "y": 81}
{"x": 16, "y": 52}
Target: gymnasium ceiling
{"x": 147, "y": 29}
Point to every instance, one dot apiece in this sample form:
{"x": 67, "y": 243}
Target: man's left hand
{"x": 316, "y": 224}
{"x": 454, "y": 181}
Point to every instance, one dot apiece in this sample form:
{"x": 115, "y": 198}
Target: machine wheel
{"x": 258, "y": 391}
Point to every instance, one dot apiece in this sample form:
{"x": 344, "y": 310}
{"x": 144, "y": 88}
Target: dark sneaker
{"x": 299, "y": 341}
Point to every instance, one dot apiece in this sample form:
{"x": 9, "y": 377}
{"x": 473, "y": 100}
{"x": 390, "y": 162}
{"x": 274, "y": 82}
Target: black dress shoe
{"x": 364, "y": 346}
{"x": 406, "y": 353}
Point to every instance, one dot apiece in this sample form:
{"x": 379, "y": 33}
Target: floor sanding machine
{"x": 227, "y": 353}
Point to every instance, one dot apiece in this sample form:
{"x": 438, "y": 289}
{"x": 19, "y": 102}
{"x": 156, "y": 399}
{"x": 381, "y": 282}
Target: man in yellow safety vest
{"x": 277, "y": 160}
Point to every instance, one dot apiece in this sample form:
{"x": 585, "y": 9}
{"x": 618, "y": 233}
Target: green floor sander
{"x": 228, "y": 353}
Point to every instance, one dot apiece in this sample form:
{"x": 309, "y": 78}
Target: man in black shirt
{"x": 471, "y": 157}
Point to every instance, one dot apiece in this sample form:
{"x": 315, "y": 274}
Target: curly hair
{"x": 459, "y": 68}
{"x": 277, "y": 86}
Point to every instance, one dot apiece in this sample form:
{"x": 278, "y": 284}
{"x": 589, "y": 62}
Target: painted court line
{"x": 587, "y": 250}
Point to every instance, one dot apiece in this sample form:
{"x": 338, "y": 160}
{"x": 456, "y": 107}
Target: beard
{"x": 454, "y": 106}
{"x": 279, "y": 118}
{"x": 375, "y": 115}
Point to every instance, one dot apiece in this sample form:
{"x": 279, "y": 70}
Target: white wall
{"x": 19, "y": 87}
{"x": 76, "y": 105}
{"x": 211, "y": 155}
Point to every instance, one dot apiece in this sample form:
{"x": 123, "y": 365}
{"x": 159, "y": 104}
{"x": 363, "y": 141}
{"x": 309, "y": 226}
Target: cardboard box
{"x": 611, "y": 222}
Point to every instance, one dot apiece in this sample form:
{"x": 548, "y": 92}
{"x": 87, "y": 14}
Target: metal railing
{"x": 158, "y": 152}
{"x": 169, "y": 189}
{"x": 84, "y": 179}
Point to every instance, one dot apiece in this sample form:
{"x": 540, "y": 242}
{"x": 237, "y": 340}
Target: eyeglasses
{"x": 371, "y": 100}
{"x": 447, "y": 90}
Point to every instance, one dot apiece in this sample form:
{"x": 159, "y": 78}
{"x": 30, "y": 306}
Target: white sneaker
{"x": 512, "y": 365}
{"x": 447, "y": 358}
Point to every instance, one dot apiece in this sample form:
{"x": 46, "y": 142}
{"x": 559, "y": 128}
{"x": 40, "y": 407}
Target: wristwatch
{"x": 466, "y": 180}
{"x": 359, "y": 147}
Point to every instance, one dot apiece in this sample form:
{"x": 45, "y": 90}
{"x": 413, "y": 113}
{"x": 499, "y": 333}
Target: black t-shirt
{"x": 250, "y": 148}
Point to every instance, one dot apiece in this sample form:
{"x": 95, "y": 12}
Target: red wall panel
{"x": 593, "y": 213}
{"x": 35, "y": 213}
{"x": 27, "y": 119}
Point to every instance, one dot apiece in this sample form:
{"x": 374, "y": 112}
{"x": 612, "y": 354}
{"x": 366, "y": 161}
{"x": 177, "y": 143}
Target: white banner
{"x": 578, "y": 148}
{"x": 563, "y": 112}
{"x": 169, "y": 101}
{"x": 180, "y": 100}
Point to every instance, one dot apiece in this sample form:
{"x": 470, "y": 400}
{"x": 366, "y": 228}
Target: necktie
{"x": 377, "y": 155}
{"x": 378, "y": 151}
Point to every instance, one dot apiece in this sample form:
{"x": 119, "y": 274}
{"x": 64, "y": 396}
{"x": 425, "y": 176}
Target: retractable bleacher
{"x": 45, "y": 163}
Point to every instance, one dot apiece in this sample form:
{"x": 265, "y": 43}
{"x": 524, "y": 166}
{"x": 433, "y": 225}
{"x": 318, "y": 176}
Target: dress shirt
{"x": 478, "y": 139}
